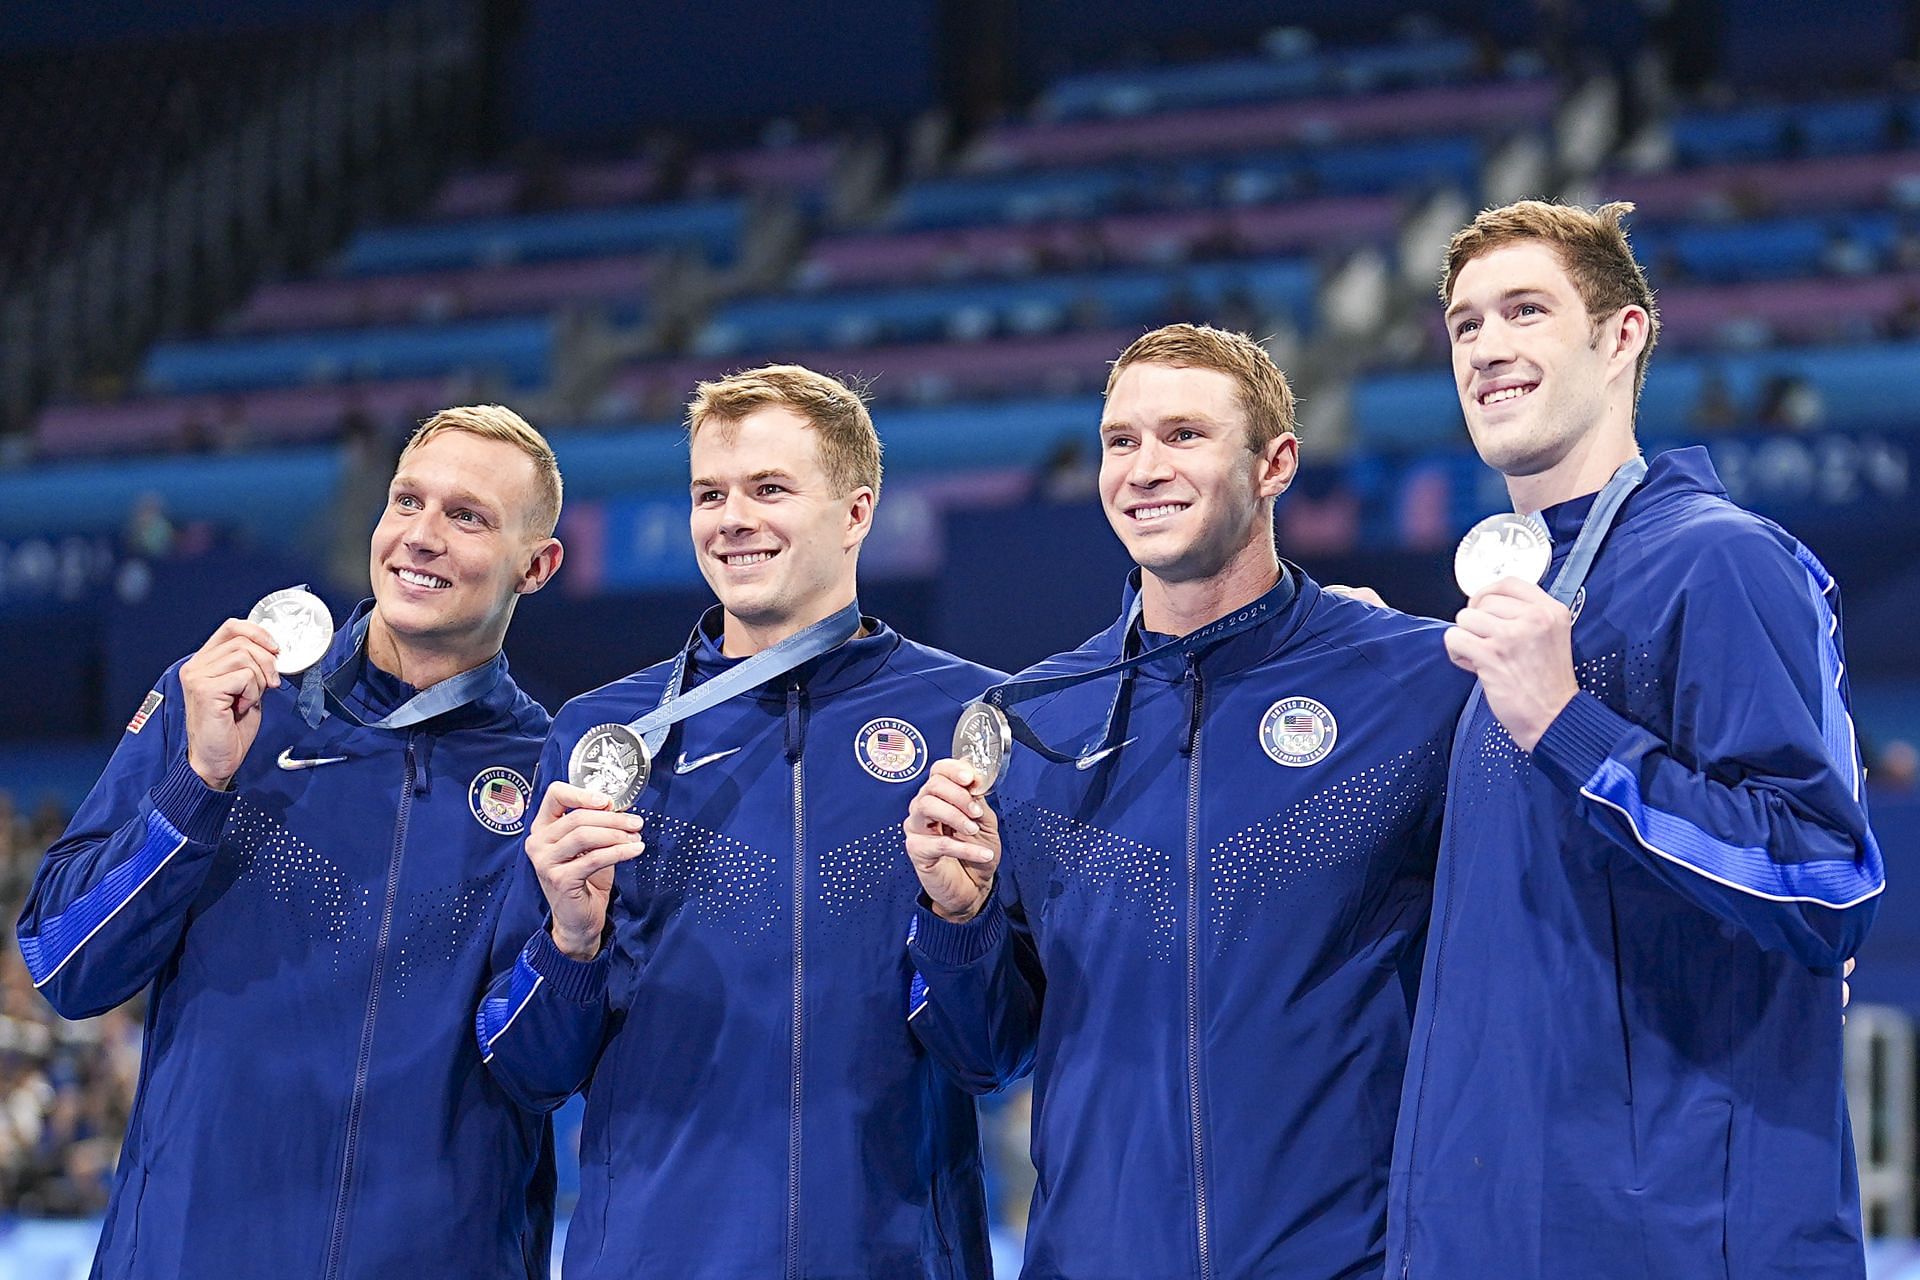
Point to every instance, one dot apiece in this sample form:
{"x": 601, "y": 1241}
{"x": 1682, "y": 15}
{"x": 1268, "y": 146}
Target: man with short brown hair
{"x": 1627, "y": 1060}
{"x": 1218, "y": 829}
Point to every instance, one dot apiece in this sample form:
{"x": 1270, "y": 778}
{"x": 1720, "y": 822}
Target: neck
{"x": 744, "y": 637}
{"x": 422, "y": 666}
{"x": 1585, "y": 469}
{"x": 1176, "y": 608}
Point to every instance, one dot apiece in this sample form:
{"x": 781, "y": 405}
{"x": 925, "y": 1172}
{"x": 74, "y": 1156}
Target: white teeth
{"x": 752, "y": 557}
{"x": 1505, "y": 393}
{"x": 414, "y": 578}
{"x": 1157, "y": 513}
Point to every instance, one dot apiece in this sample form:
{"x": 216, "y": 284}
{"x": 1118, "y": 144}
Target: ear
{"x": 1279, "y": 463}
{"x": 859, "y": 512}
{"x": 540, "y": 567}
{"x": 1626, "y": 336}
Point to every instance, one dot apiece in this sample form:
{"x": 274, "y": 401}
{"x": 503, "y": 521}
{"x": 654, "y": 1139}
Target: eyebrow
{"x": 1520, "y": 292}
{"x": 1171, "y": 420}
{"x": 770, "y": 473}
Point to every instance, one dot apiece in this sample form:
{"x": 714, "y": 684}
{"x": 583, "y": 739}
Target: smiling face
{"x": 1536, "y": 375}
{"x": 454, "y": 550}
{"x": 1180, "y": 485}
{"x": 774, "y": 541}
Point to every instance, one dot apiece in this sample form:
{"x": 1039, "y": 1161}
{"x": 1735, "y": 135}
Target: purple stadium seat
{"x": 1728, "y": 190}
{"x": 1278, "y": 124}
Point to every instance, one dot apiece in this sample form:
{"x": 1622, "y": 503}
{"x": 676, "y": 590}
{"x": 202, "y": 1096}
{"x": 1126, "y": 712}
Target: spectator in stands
{"x": 1626, "y": 1055}
{"x": 1897, "y": 771}
{"x": 1788, "y": 402}
{"x": 304, "y": 876}
{"x": 1715, "y": 410}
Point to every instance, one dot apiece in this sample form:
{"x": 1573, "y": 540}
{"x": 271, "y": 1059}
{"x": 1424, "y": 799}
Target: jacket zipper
{"x": 1193, "y": 973}
{"x": 795, "y": 749}
{"x": 363, "y": 1065}
{"x": 1439, "y": 965}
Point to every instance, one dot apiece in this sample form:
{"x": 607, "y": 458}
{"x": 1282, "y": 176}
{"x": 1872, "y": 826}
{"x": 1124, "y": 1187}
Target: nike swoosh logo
{"x": 287, "y": 761}
{"x": 684, "y": 765}
{"x": 1088, "y": 761}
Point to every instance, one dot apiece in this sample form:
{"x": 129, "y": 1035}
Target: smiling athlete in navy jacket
{"x": 1627, "y": 1062}
{"x": 730, "y": 1001}
{"x": 1204, "y": 936}
{"x": 303, "y": 874}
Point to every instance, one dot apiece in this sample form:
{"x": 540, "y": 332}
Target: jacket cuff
{"x": 1581, "y": 738}
{"x": 951, "y": 945}
{"x": 582, "y": 982}
{"x": 189, "y": 805}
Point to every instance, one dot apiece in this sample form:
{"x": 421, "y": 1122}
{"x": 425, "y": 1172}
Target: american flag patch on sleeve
{"x": 148, "y": 706}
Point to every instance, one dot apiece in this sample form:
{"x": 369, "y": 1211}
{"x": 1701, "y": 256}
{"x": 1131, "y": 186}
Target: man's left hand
{"x": 1519, "y": 641}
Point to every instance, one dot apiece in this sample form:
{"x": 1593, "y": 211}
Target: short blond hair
{"x": 1592, "y": 247}
{"x": 1265, "y": 396}
{"x": 837, "y": 412}
{"x": 497, "y": 422}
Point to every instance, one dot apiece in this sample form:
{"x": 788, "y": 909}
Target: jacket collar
{"x": 1676, "y": 471}
{"x": 347, "y": 658}
{"x": 841, "y": 667}
{"x": 1235, "y": 652}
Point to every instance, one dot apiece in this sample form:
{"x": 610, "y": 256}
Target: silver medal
{"x": 610, "y": 759}
{"x": 982, "y": 739}
{"x": 1504, "y": 546}
{"x": 299, "y": 623}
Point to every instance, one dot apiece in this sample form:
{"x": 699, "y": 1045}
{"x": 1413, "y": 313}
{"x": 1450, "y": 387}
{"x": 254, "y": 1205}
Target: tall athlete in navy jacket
{"x": 1627, "y": 1059}
{"x": 731, "y": 1001}
{"x": 303, "y": 874}
{"x": 1205, "y": 934}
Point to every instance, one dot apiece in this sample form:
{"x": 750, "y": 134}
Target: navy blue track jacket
{"x": 1627, "y": 1062}
{"x": 1205, "y": 946}
{"x": 756, "y": 1106}
{"x": 313, "y": 941}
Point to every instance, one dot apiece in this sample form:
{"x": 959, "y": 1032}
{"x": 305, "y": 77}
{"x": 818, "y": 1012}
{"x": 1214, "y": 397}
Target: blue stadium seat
{"x": 711, "y": 226}
{"x": 1774, "y": 249}
{"x": 1844, "y": 128}
{"x": 1749, "y": 133}
{"x": 518, "y": 349}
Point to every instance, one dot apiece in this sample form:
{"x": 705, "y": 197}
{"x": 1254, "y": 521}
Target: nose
{"x": 427, "y": 532}
{"x": 1492, "y": 345}
{"x": 736, "y": 514}
{"x": 1150, "y": 464}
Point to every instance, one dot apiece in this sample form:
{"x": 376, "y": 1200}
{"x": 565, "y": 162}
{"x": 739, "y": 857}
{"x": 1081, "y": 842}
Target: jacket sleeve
{"x": 110, "y": 902}
{"x": 1754, "y": 809}
{"x": 544, "y": 1017}
{"x": 977, "y": 989}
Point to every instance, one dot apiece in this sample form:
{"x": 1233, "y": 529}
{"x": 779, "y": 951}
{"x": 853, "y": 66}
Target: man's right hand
{"x": 222, "y": 686}
{"x": 953, "y": 837}
{"x": 574, "y": 843}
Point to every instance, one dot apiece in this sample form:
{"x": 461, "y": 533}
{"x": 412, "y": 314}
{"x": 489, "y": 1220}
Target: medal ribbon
{"x": 1245, "y": 618}
{"x": 1594, "y": 529}
{"x": 1573, "y": 571}
{"x": 448, "y": 695}
{"x": 801, "y": 647}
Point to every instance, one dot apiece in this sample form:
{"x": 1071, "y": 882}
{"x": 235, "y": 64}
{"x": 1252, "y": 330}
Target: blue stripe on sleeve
{"x": 497, "y": 1013}
{"x": 60, "y": 938}
{"x": 917, "y": 990}
{"x": 1830, "y": 882}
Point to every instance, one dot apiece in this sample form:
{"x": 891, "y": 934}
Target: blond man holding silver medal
{"x": 297, "y": 850}
{"x": 728, "y": 992}
{"x": 1656, "y": 862}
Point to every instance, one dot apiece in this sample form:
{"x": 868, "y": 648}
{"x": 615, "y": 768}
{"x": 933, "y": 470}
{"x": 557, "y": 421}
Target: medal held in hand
{"x": 299, "y": 623}
{"x": 611, "y": 760}
{"x": 982, "y": 739}
{"x": 1507, "y": 545}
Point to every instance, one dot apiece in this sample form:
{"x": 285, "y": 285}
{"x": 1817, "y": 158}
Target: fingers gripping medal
{"x": 982, "y": 739}
{"x": 1503, "y": 546}
{"x": 299, "y": 623}
{"x": 611, "y": 760}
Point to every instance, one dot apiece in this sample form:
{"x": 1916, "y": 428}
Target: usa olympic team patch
{"x": 891, "y": 750}
{"x": 498, "y": 798}
{"x": 148, "y": 705}
{"x": 1297, "y": 732}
